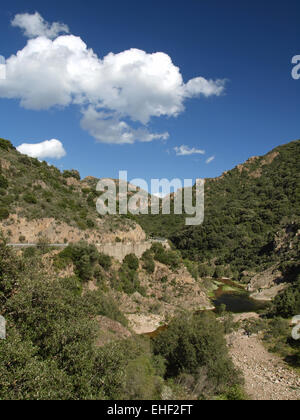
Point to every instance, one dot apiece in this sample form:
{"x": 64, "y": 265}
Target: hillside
{"x": 80, "y": 320}
{"x": 246, "y": 209}
{"x": 38, "y": 201}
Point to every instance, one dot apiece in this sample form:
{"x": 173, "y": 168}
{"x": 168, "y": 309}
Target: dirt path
{"x": 267, "y": 377}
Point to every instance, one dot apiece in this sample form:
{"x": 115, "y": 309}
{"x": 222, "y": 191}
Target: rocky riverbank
{"x": 267, "y": 377}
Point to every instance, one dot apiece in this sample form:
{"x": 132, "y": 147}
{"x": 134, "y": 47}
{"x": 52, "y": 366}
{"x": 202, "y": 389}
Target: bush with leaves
{"x": 84, "y": 257}
{"x": 72, "y": 174}
{"x": 164, "y": 256}
{"x": 129, "y": 281}
{"x": 132, "y": 262}
{"x": 30, "y": 198}
{"x": 3, "y": 182}
{"x": 192, "y": 342}
{"x": 287, "y": 303}
{"x": 4, "y": 213}
{"x": 6, "y": 145}
{"x": 148, "y": 262}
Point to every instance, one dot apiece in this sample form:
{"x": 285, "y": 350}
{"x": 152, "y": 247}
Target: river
{"x": 236, "y": 299}
{"x": 231, "y": 294}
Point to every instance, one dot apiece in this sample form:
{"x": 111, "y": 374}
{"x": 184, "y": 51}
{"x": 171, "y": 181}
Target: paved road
{"x": 37, "y": 245}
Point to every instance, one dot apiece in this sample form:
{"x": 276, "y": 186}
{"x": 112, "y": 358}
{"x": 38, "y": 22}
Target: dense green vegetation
{"x": 35, "y": 190}
{"x": 244, "y": 209}
{"x": 90, "y": 265}
{"x": 194, "y": 348}
{"x": 277, "y": 336}
{"x": 83, "y": 256}
{"x": 252, "y": 222}
{"x": 50, "y": 351}
{"x": 287, "y": 303}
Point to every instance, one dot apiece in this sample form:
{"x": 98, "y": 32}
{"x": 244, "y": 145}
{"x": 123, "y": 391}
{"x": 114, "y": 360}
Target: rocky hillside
{"x": 38, "y": 201}
{"x": 245, "y": 211}
{"x": 149, "y": 290}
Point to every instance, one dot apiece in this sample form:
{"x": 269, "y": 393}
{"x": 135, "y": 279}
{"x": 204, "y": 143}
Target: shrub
{"x": 3, "y": 182}
{"x": 167, "y": 257}
{"x": 43, "y": 244}
{"x": 194, "y": 342}
{"x": 84, "y": 257}
{"x": 205, "y": 270}
{"x": 29, "y": 252}
{"x": 90, "y": 224}
{"x": 219, "y": 272}
{"x": 192, "y": 268}
{"x": 128, "y": 281}
{"x": 72, "y": 174}
{"x": 6, "y": 145}
{"x": 4, "y": 213}
{"x": 132, "y": 262}
{"x": 287, "y": 303}
{"x": 105, "y": 261}
{"x": 30, "y": 198}
{"x": 149, "y": 264}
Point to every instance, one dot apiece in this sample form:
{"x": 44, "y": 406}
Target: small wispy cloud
{"x": 34, "y": 26}
{"x": 188, "y": 151}
{"x": 52, "y": 149}
{"x": 211, "y": 159}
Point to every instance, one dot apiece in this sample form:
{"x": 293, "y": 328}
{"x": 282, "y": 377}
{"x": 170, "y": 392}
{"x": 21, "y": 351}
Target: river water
{"x": 237, "y": 300}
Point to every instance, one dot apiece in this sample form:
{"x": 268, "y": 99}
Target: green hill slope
{"x": 244, "y": 210}
{"x": 33, "y": 190}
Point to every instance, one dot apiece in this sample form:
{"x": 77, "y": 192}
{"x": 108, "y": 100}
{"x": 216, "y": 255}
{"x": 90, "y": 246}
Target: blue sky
{"x": 246, "y": 45}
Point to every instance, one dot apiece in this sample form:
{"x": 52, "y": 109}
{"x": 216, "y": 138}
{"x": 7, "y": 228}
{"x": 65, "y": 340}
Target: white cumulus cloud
{"x": 34, "y": 25}
{"x": 107, "y": 128}
{"x": 188, "y": 151}
{"x": 118, "y": 94}
{"x": 52, "y": 149}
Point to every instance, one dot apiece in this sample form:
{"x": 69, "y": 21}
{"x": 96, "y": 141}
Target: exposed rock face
{"x": 268, "y": 294}
{"x": 267, "y": 284}
{"x": 244, "y": 166}
{"x": 265, "y": 280}
{"x": 167, "y": 292}
{"x": 120, "y": 250}
{"x": 133, "y": 235}
{"x": 59, "y": 232}
{"x": 143, "y": 324}
{"x": 269, "y": 158}
{"x": 287, "y": 238}
{"x": 4, "y": 164}
{"x": 73, "y": 182}
{"x": 110, "y": 330}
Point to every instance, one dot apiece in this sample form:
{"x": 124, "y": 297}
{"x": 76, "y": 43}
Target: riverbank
{"x": 267, "y": 377}
{"x": 235, "y": 297}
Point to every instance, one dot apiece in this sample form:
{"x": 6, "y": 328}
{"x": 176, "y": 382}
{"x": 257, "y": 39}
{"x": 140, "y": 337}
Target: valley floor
{"x": 267, "y": 377}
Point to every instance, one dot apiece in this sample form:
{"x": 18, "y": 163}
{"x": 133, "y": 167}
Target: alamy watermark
{"x": 123, "y": 197}
{"x": 296, "y": 329}
{"x": 2, "y": 328}
{"x": 296, "y": 68}
{"x": 2, "y": 68}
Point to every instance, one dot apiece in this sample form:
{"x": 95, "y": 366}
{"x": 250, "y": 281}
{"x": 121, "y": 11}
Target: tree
{"x": 287, "y": 303}
{"x": 191, "y": 342}
{"x": 72, "y": 174}
{"x": 132, "y": 262}
{"x": 219, "y": 272}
